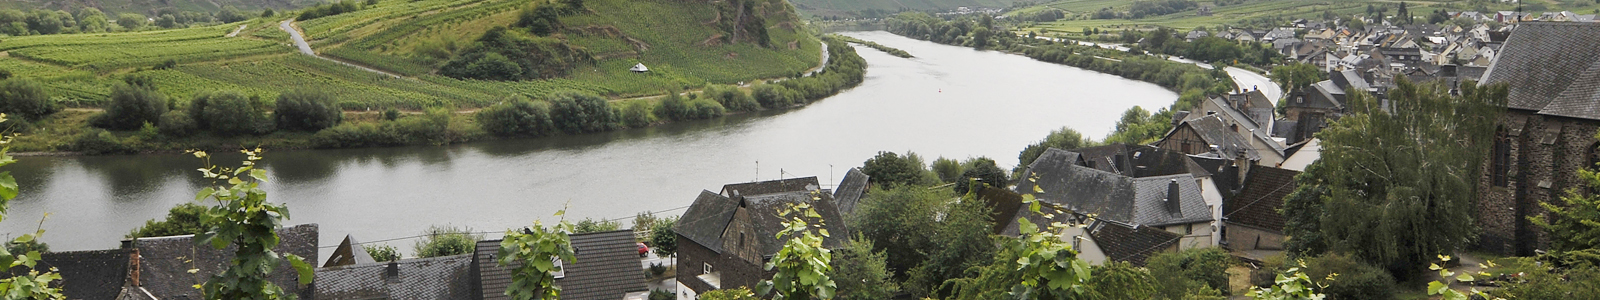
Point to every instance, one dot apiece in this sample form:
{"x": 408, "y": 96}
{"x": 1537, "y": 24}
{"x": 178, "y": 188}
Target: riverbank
{"x": 69, "y": 132}
{"x": 874, "y": 45}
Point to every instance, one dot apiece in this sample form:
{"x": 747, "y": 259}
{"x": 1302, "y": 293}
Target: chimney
{"x": 1173, "y": 206}
{"x": 133, "y": 267}
{"x": 393, "y": 271}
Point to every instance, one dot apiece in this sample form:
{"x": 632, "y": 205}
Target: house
{"x": 1195, "y": 35}
{"x": 170, "y": 267}
{"x": 94, "y": 275}
{"x": 639, "y": 68}
{"x": 1099, "y": 240}
{"x": 349, "y": 252}
{"x": 1278, "y": 33}
{"x": 850, "y": 190}
{"x": 1203, "y": 11}
{"x": 441, "y": 278}
{"x": 1250, "y": 218}
{"x": 1195, "y": 135}
{"x": 1208, "y": 135}
{"x": 725, "y": 239}
{"x": 606, "y": 268}
{"x": 1547, "y": 133}
{"x": 1309, "y": 151}
{"x": 1173, "y": 203}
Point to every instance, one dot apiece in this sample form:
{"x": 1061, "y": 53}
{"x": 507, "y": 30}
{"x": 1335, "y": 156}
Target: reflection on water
{"x": 949, "y": 101}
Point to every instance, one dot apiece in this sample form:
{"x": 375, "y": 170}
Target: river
{"x": 948, "y": 101}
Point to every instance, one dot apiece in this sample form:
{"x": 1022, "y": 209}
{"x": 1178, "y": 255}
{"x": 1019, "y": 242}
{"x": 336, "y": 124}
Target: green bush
{"x": 575, "y": 113}
{"x": 662, "y": 240}
{"x": 773, "y": 96}
{"x": 1580, "y": 281}
{"x": 732, "y": 98}
{"x": 22, "y": 97}
{"x": 986, "y": 172}
{"x": 382, "y": 253}
{"x": 637, "y": 114}
{"x": 433, "y": 128}
{"x": 98, "y": 141}
{"x": 517, "y": 117}
{"x": 589, "y": 225}
{"x": 181, "y": 219}
{"x": 1120, "y": 280}
{"x": 503, "y": 54}
{"x": 306, "y": 110}
{"x": 230, "y": 113}
{"x": 1181, "y": 273}
{"x": 446, "y": 241}
{"x": 1356, "y": 280}
{"x": 131, "y": 106}
{"x": 178, "y": 124}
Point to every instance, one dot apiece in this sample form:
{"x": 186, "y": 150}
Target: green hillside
{"x": 148, "y": 6}
{"x": 857, "y": 7}
{"x": 1079, "y": 14}
{"x": 685, "y": 44}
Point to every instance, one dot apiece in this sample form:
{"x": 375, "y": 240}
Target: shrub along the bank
{"x": 131, "y": 107}
{"x": 638, "y": 114}
{"x": 306, "y": 110}
{"x": 438, "y": 127}
{"x": 675, "y": 107}
{"x": 22, "y": 97}
{"x": 517, "y": 116}
{"x": 731, "y": 98}
{"x": 230, "y": 113}
{"x": 178, "y": 124}
{"x": 575, "y": 113}
{"x": 775, "y": 96}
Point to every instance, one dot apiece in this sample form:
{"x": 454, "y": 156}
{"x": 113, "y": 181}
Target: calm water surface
{"x": 949, "y": 101}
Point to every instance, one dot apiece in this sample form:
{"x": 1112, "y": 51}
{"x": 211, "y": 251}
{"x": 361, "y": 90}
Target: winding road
{"x": 300, "y": 42}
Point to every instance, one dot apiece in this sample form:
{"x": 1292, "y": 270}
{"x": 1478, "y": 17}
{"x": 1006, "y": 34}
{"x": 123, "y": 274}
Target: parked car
{"x": 644, "y": 250}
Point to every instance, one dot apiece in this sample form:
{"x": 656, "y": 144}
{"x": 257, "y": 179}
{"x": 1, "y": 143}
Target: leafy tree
{"x": 1576, "y": 222}
{"x": 802, "y": 265}
{"x": 637, "y": 114}
{"x": 1064, "y": 139}
{"x": 531, "y": 254}
{"x": 92, "y": 20}
{"x": 962, "y": 242}
{"x": 863, "y": 273}
{"x": 1138, "y": 126}
{"x": 730, "y": 294}
{"x": 132, "y": 106}
{"x": 576, "y": 113}
{"x": 1303, "y": 211}
{"x": 1297, "y": 76}
{"x": 446, "y": 241}
{"x": 1046, "y": 266}
{"x": 517, "y": 116}
{"x": 25, "y": 98}
{"x": 591, "y": 225}
{"x": 306, "y": 110}
{"x": 33, "y": 284}
{"x": 504, "y": 54}
{"x": 949, "y": 170}
{"x": 243, "y": 218}
{"x": 662, "y": 240}
{"x": 229, "y": 113}
{"x": 131, "y": 21}
{"x": 1178, "y": 274}
{"x": 889, "y": 169}
{"x": 898, "y": 220}
{"x": 182, "y": 219}
{"x": 1394, "y": 180}
{"x": 1121, "y": 280}
{"x": 382, "y": 252}
{"x": 984, "y": 171}
{"x": 177, "y": 124}
{"x": 542, "y": 19}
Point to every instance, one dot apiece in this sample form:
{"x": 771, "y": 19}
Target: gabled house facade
{"x": 725, "y": 239}
{"x": 1547, "y": 133}
{"x": 1172, "y": 203}
{"x": 606, "y": 268}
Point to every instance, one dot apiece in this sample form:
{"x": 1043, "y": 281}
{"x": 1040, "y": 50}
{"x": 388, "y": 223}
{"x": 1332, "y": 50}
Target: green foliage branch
{"x": 803, "y": 264}
{"x": 242, "y": 217}
{"x": 531, "y": 253}
{"x": 33, "y": 284}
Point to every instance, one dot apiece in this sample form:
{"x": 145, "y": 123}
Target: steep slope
{"x": 146, "y": 6}
{"x": 685, "y": 44}
{"x": 855, "y": 7}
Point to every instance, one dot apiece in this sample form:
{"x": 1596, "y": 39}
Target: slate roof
{"x": 165, "y": 262}
{"x": 607, "y": 268}
{"x": 1250, "y": 125}
{"x": 349, "y": 252}
{"x": 1216, "y": 133}
{"x": 1132, "y": 244}
{"x": 764, "y": 215}
{"x": 90, "y": 275}
{"x": 1144, "y": 160}
{"x": 1112, "y": 196}
{"x": 445, "y": 277}
{"x": 1258, "y": 203}
{"x": 705, "y": 219}
{"x": 850, "y": 190}
{"x": 1551, "y": 68}
{"x": 770, "y": 187}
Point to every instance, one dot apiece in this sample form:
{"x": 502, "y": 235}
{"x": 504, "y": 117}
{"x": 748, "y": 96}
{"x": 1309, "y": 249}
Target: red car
{"x": 644, "y": 250}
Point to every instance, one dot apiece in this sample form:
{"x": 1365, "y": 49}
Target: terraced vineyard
{"x": 79, "y": 69}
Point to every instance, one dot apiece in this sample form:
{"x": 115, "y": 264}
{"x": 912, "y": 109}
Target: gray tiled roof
{"x": 1258, "y": 202}
{"x": 850, "y": 191}
{"x": 705, "y": 219}
{"x": 1112, "y": 196}
{"x": 1542, "y": 61}
{"x": 446, "y": 277}
{"x": 89, "y": 275}
{"x": 770, "y": 187}
{"x": 1133, "y": 244}
{"x": 1212, "y": 129}
{"x": 764, "y": 211}
{"x": 607, "y": 268}
{"x": 1136, "y": 160}
{"x": 165, "y": 262}
{"x": 1151, "y": 196}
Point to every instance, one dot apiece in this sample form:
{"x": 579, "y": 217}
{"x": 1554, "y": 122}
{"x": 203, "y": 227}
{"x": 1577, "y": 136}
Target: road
{"x": 1246, "y": 79}
{"x": 300, "y": 42}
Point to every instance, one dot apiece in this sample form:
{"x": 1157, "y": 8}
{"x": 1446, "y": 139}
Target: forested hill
{"x": 151, "y": 6}
{"x": 441, "y": 50}
{"x": 865, "y": 8}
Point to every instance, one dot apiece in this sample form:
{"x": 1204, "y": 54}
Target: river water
{"x": 948, "y": 101}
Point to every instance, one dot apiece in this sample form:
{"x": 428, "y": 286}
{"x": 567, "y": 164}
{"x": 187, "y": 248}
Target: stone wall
{"x": 734, "y": 272}
{"x": 1546, "y": 153}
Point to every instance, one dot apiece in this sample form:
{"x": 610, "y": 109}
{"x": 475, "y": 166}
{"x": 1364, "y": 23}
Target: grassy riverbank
{"x": 886, "y": 49}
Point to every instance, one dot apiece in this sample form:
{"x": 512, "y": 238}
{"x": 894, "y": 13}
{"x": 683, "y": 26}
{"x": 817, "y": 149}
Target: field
{"x": 1079, "y": 11}
{"x": 146, "y": 6}
{"x": 405, "y": 37}
{"x": 837, "y": 7}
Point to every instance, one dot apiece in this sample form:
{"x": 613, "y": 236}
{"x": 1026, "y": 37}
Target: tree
{"x": 382, "y": 253}
{"x": 517, "y": 116}
{"x": 92, "y": 20}
{"x": 984, "y": 171}
{"x": 897, "y": 221}
{"x": 1120, "y": 280}
{"x": 1297, "y": 76}
{"x": 131, "y": 21}
{"x": 1178, "y": 274}
{"x": 1138, "y": 126}
{"x": 949, "y": 170}
{"x": 25, "y": 98}
{"x": 961, "y": 243}
{"x": 446, "y": 241}
{"x": 662, "y": 239}
{"x": 863, "y": 273}
{"x": 576, "y": 113}
{"x": 182, "y": 219}
{"x": 33, "y": 284}
{"x": 802, "y": 270}
{"x": 1064, "y": 139}
{"x": 306, "y": 110}
{"x": 889, "y": 169}
{"x": 1393, "y": 180}
{"x": 730, "y": 294}
{"x": 132, "y": 106}
{"x": 589, "y": 225}
{"x": 229, "y": 113}
{"x": 531, "y": 254}
{"x": 244, "y": 219}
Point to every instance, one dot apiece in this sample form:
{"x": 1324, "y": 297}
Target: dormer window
{"x": 706, "y": 268}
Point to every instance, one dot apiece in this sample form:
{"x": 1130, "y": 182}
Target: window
{"x": 560, "y": 272}
{"x": 1188, "y": 229}
{"x": 706, "y": 268}
{"x": 1501, "y": 164}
